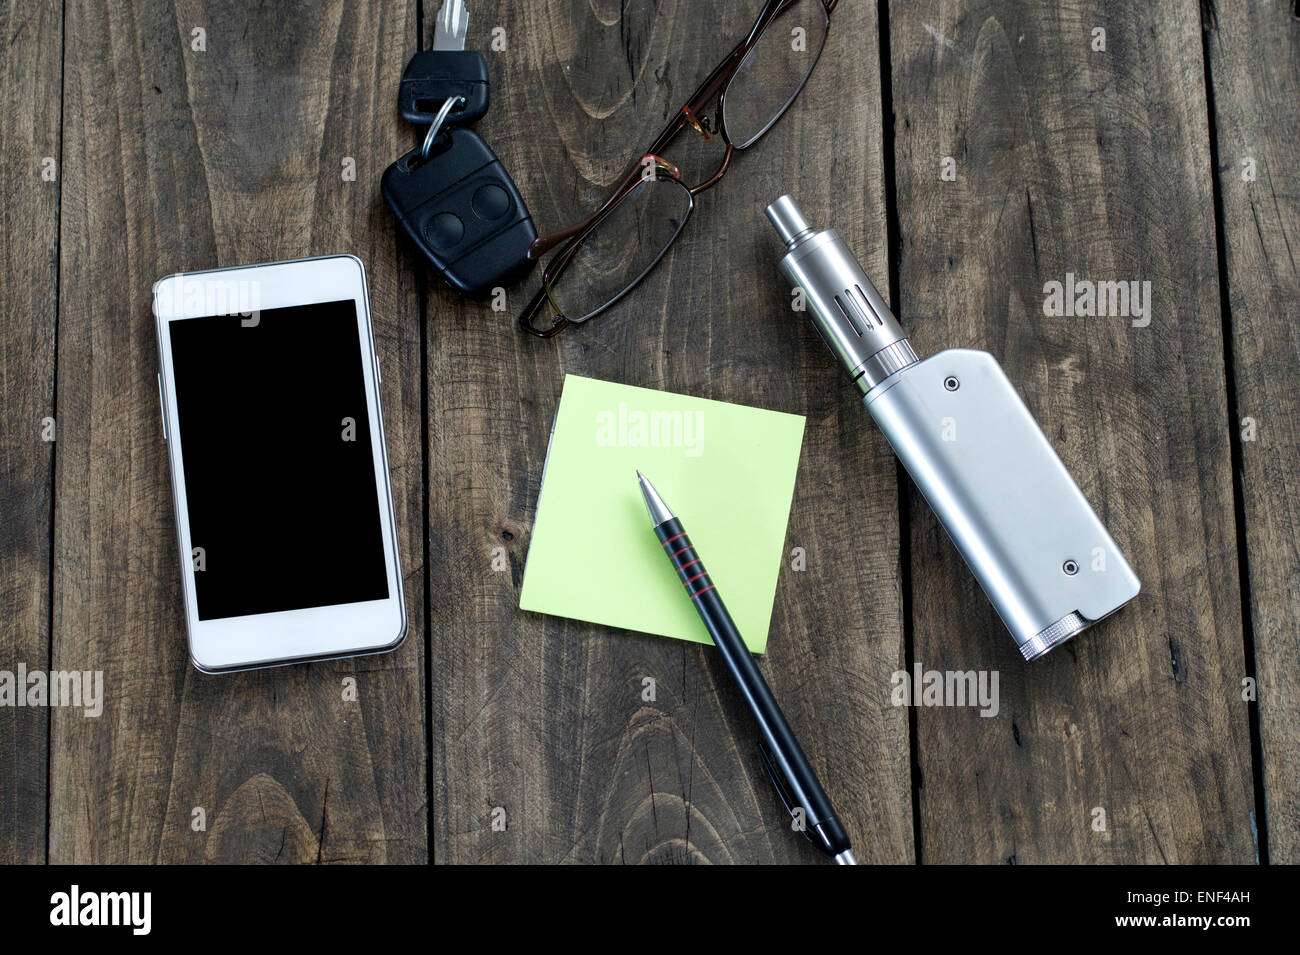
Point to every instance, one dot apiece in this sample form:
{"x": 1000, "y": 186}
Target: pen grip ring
{"x": 680, "y": 550}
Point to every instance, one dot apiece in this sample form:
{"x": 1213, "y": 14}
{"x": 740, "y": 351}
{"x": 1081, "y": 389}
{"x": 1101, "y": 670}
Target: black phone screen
{"x": 280, "y": 479}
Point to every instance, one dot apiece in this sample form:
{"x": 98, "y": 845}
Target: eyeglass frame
{"x": 717, "y": 84}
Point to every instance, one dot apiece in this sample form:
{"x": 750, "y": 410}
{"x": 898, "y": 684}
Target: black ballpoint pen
{"x": 782, "y": 756}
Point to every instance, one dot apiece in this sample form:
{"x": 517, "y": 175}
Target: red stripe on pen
{"x": 696, "y": 577}
{"x": 671, "y": 539}
{"x": 682, "y": 551}
{"x": 704, "y": 591}
{"x": 684, "y": 566}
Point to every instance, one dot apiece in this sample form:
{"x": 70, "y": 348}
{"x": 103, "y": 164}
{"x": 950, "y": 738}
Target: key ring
{"x": 438, "y": 120}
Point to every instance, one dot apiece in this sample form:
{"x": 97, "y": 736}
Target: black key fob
{"x": 462, "y": 210}
{"x": 434, "y": 76}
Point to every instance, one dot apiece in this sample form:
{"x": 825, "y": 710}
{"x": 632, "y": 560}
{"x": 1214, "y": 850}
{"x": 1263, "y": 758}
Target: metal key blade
{"x": 451, "y": 27}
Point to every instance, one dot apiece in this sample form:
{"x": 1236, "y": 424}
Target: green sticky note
{"x": 727, "y": 471}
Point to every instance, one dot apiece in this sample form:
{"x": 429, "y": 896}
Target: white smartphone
{"x": 269, "y": 386}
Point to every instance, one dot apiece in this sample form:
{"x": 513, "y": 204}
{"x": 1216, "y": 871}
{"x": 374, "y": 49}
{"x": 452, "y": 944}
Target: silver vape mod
{"x": 968, "y": 441}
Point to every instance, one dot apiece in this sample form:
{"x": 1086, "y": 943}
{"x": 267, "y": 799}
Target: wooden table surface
{"x": 1170, "y": 156}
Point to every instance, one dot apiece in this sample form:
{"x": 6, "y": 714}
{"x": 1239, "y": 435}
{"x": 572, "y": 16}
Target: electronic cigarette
{"x": 969, "y": 443}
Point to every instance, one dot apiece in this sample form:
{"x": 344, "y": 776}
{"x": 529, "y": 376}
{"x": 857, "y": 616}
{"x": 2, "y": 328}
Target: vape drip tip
{"x": 788, "y": 218}
{"x": 844, "y": 305}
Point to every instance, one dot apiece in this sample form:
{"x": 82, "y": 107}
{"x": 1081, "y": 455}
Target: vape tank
{"x": 982, "y": 463}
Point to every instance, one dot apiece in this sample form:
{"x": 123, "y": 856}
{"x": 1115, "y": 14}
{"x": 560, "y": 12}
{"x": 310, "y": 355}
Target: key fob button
{"x": 445, "y": 230}
{"x": 491, "y": 202}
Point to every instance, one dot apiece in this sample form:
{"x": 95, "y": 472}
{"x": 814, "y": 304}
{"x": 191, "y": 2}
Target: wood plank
{"x": 1091, "y": 162}
{"x": 1254, "y": 62}
{"x": 179, "y": 159}
{"x": 30, "y": 59}
{"x": 543, "y": 717}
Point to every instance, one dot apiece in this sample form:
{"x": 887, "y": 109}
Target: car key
{"x": 452, "y": 196}
{"x": 461, "y": 209}
{"x": 433, "y": 76}
{"x": 447, "y": 70}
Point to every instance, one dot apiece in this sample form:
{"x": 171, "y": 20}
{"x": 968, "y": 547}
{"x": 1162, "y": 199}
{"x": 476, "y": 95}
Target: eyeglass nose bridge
{"x": 722, "y": 171}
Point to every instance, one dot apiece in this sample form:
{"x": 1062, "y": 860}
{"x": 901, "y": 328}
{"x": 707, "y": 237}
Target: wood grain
{"x": 1254, "y": 61}
{"x": 1068, "y": 159}
{"x": 543, "y": 718}
{"x": 182, "y": 159}
{"x": 1096, "y": 163}
{"x": 31, "y": 38}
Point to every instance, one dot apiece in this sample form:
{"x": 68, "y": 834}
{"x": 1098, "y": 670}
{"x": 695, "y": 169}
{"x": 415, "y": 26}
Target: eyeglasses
{"x": 604, "y": 256}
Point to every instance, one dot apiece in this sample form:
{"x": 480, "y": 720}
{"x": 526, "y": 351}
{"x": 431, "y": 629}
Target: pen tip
{"x": 654, "y": 503}
{"x": 639, "y": 475}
